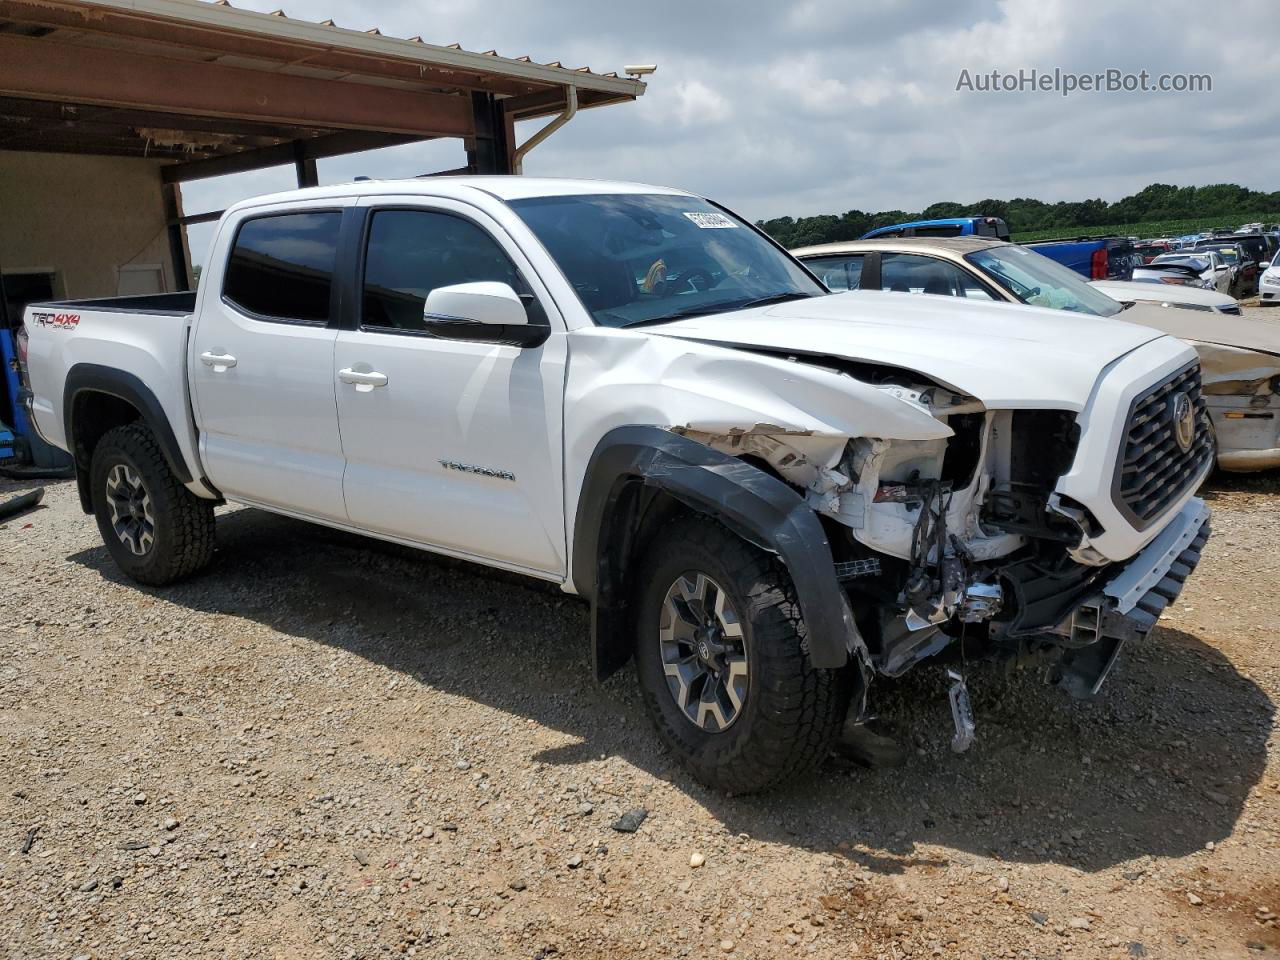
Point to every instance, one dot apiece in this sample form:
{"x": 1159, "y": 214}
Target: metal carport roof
{"x": 221, "y": 89}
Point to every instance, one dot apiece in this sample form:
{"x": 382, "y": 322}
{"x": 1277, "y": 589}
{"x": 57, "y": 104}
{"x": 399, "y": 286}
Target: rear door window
{"x": 839, "y": 273}
{"x": 281, "y": 266}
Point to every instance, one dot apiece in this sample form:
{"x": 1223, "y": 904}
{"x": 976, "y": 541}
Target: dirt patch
{"x": 326, "y": 747}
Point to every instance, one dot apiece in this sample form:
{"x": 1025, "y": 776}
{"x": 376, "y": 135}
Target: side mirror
{"x": 481, "y": 312}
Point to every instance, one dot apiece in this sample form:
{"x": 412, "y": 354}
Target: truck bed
{"x": 1077, "y": 254}
{"x": 176, "y": 304}
{"x": 130, "y": 348}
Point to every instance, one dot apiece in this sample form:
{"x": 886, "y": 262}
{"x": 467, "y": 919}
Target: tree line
{"x": 1159, "y": 201}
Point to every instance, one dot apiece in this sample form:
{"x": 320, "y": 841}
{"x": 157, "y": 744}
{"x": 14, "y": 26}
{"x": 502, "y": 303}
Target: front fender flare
{"x": 752, "y": 503}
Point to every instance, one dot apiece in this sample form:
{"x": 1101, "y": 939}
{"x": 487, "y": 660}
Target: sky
{"x": 823, "y": 106}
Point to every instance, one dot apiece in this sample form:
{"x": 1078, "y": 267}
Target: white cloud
{"x": 698, "y": 104}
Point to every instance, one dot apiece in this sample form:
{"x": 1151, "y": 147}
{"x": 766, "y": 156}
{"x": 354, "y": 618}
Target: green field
{"x": 1147, "y": 229}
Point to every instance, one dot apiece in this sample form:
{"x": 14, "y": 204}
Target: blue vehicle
{"x": 22, "y": 451}
{"x": 12, "y": 419}
{"x": 956, "y": 227}
{"x": 1094, "y": 258}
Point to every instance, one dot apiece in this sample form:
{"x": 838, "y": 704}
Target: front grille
{"x": 1154, "y": 470}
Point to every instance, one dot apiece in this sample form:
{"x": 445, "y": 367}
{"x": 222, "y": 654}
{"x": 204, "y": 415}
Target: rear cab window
{"x": 281, "y": 266}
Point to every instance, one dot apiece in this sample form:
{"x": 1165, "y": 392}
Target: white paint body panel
{"x": 1026, "y": 357}
{"x": 490, "y": 406}
{"x": 152, "y": 347}
{"x": 1103, "y": 425}
{"x": 269, "y": 424}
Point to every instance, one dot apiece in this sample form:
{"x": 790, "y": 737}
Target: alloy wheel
{"x": 704, "y": 653}
{"x": 130, "y": 505}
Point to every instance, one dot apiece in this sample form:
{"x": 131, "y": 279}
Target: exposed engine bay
{"x": 954, "y": 549}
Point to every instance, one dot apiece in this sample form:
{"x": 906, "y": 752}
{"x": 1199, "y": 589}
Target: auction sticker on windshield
{"x": 712, "y": 221}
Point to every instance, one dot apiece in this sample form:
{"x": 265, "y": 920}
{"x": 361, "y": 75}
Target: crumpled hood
{"x": 1224, "y": 329}
{"x": 1007, "y": 355}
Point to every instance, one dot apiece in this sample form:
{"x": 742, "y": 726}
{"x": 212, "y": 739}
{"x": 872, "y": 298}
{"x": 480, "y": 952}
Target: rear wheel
{"x": 155, "y": 529}
{"x": 723, "y": 664}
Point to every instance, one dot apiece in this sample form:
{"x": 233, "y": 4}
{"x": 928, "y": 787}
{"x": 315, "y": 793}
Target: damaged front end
{"x": 1242, "y": 388}
{"x": 962, "y": 548}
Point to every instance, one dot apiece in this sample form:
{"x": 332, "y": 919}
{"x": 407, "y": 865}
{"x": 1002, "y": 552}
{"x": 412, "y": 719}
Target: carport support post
{"x": 4, "y": 304}
{"x": 490, "y": 148}
{"x": 308, "y": 175}
{"x": 177, "y": 240}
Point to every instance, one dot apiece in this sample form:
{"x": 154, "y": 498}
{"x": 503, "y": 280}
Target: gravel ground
{"x": 328, "y": 747}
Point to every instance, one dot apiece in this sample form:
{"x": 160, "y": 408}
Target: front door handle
{"x": 221, "y": 362}
{"x": 364, "y": 380}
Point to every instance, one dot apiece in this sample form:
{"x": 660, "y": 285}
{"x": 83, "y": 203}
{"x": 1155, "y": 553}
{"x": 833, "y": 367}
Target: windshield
{"x": 1041, "y": 282}
{"x": 641, "y": 258}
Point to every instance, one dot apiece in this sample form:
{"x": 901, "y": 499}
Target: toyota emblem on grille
{"x": 1184, "y": 420}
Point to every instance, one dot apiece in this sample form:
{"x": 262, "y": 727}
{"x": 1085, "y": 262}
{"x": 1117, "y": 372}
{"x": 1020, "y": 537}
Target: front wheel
{"x": 723, "y": 664}
{"x": 155, "y": 529}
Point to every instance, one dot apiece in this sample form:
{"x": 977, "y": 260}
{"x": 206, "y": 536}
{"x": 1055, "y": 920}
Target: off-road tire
{"x": 183, "y": 523}
{"x": 792, "y": 711}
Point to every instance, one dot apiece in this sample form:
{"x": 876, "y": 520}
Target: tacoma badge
{"x": 478, "y": 471}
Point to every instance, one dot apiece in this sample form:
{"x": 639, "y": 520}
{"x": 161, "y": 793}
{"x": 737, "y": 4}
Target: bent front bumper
{"x": 1132, "y": 601}
{"x": 1248, "y": 432}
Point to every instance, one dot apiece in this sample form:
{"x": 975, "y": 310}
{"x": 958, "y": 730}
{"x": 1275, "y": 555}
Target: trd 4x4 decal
{"x": 60, "y": 321}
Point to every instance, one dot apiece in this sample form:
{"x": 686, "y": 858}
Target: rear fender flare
{"x": 95, "y": 378}
{"x": 753, "y": 504}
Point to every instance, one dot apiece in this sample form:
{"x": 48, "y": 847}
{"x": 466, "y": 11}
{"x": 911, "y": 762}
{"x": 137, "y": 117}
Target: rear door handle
{"x": 221, "y": 362}
{"x": 364, "y": 380}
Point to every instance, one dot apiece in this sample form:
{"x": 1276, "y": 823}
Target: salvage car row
{"x": 1231, "y": 262}
{"x": 770, "y": 492}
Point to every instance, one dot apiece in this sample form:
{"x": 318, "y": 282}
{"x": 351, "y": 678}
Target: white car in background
{"x": 1168, "y": 295}
{"x": 1210, "y": 267}
{"x": 1269, "y": 284}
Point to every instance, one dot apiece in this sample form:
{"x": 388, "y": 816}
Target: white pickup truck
{"x": 769, "y": 494}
